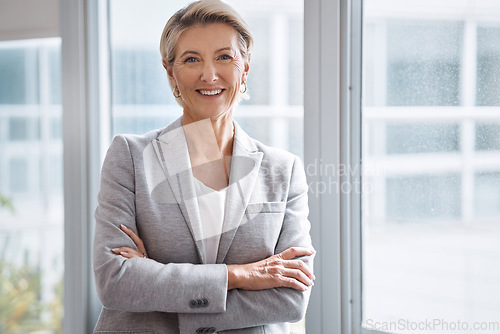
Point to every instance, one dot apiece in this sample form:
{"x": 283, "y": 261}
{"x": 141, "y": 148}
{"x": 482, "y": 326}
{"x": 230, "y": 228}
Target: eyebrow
{"x": 227, "y": 48}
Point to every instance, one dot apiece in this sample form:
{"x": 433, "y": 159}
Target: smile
{"x": 210, "y": 92}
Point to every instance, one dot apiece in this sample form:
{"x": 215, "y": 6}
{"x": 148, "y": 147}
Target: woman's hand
{"x": 280, "y": 270}
{"x": 130, "y": 252}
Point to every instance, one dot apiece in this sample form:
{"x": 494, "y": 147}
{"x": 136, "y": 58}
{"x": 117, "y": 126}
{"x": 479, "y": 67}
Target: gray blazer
{"x": 147, "y": 185}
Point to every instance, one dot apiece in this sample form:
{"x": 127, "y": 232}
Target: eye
{"x": 225, "y": 57}
{"x": 190, "y": 60}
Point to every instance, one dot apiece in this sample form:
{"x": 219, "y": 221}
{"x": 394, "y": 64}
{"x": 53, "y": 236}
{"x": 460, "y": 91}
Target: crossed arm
{"x": 280, "y": 270}
{"x": 272, "y": 290}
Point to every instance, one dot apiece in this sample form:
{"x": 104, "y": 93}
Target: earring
{"x": 245, "y": 89}
{"x": 176, "y": 92}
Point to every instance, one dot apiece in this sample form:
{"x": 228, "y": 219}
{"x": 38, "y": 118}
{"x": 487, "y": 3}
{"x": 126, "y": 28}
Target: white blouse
{"x": 211, "y": 204}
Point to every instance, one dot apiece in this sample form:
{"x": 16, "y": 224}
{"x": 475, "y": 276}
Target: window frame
{"x": 75, "y": 161}
{"x": 85, "y": 125}
{"x": 332, "y": 114}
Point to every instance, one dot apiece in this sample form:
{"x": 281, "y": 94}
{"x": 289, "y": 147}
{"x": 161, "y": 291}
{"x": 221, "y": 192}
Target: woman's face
{"x": 208, "y": 70}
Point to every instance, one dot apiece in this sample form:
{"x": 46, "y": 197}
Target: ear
{"x": 170, "y": 72}
{"x": 169, "y": 69}
{"x": 246, "y": 69}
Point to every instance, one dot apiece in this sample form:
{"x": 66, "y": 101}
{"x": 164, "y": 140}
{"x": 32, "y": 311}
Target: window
{"x": 488, "y": 57}
{"x": 430, "y": 129}
{"x": 31, "y": 234}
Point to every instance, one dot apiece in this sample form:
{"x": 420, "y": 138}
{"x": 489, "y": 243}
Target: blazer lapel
{"x": 172, "y": 152}
{"x": 245, "y": 165}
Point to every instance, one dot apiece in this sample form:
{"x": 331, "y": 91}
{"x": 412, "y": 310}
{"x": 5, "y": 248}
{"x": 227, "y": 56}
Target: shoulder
{"x": 131, "y": 143}
{"x": 277, "y": 164}
{"x": 275, "y": 154}
{"x": 281, "y": 171}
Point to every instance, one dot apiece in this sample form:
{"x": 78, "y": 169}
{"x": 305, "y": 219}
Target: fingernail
{"x": 114, "y": 250}
{"x": 123, "y": 226}
{"x": 123, "y": 253}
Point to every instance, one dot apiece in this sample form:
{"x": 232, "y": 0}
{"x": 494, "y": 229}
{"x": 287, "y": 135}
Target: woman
{"x": 200, "y": 228}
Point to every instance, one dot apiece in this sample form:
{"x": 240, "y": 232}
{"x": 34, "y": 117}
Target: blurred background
{"x": 430, "y": 148}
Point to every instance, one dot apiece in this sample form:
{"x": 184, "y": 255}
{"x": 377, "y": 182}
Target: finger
{"x": 288, "y": 282}
{"x": 300, "y": 265}
{"x": 135, "y": 238}
{"x": 122, "y": 249}
{"x": 128, "y": 255}
{"x": 297, "y": 275}
{"x": 127, "y": 252}
{"x": 293, "y": 252}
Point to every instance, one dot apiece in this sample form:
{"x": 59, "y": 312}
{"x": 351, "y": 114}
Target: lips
{"x": 210, "y": 92}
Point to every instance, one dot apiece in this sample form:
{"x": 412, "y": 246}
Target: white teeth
{"x": 211, "y": 92}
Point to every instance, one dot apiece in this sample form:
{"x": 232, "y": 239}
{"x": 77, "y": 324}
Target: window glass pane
{"x": 56, "y": 128}
{"x": 431, "y": 198}
{"x": 422, "y": 138}
{"x": 259, "y": 81}
{"x": 31, "y": 201}
{"x": 138, "y": 77}
{"x": 54, "y": 87}
{"x": 488, "y": 71}
{"x": 423, "y": 62}
{"x": 18, "y": 128}
{"x": 487, "y": 194}
{"x": 428, "y": 197}
{"x": 24, "y": 128}
{"x": 296, "y": 59}
{"x": 18, "y": 175}
{"x": 18, "y": 75}
{"x": 487, "y": 136}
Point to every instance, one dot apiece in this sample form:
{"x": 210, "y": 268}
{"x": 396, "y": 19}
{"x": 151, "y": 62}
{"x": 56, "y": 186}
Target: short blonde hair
{"x": 203, "y": 12}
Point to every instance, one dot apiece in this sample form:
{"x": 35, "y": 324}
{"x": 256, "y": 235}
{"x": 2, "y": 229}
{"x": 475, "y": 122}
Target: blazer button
{"x": 193, "y": 303}
{"x": 205, "y": 302}
{"x": 212, "y": 330}
{"x": 200, "y": 303}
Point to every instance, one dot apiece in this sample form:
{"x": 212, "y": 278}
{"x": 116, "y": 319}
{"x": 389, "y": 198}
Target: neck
{"x": 224, "y": 132}
{"x": 209, "y": 141}
{"x": 223, "y": 129}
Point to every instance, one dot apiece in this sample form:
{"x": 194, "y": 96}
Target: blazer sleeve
{"x": 246, "y": 308}
{"x": 139, "y": 284}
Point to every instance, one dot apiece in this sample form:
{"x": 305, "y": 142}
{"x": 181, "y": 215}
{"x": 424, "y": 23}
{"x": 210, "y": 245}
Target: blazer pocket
{"x": 249, "y": 330}
{"x": 267, "y": 207}
{"x": 125, "y": 332}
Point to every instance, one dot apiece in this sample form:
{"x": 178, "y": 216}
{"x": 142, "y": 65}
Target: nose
{"x": 209, "y": 72}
